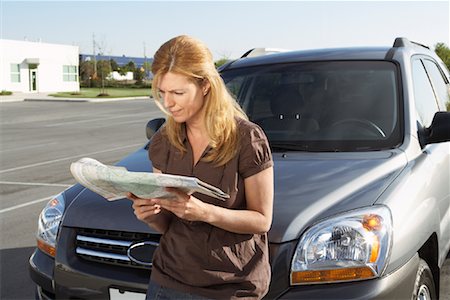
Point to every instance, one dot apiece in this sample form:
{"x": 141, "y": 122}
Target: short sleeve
{"x": 158, "y": 151}
{"x": 255, "y": 155}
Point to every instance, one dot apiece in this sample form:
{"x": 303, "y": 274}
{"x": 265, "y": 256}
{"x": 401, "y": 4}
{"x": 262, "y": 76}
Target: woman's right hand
{"x": 144, "y": 209}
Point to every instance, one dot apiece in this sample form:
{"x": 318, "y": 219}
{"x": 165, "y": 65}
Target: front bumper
{"x": 77, "y": 282}
{"x": 397, "y": 285}
{"x": 69, "y": 276}
{"x": 41, "y": 272}
{"x": 73, "y": 277}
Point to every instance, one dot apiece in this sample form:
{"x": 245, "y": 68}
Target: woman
{"x": 209, "y": 248}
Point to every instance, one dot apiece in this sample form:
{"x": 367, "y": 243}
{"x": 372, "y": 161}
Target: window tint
{"x": 425, "y": 100}
{"x": 440, "y": 84}
{"x": 323, "y": 106}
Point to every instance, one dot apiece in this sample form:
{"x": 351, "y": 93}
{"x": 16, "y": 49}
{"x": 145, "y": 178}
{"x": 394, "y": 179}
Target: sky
{"x": 229, "y": 28}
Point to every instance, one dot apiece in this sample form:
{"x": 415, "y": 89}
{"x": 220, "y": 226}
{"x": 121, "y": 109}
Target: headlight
{"x": 48, "y": 225}
{"x": 351, "y": 246}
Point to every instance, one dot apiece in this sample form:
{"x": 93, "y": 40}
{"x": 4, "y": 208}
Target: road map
{"x": 113, "y": 182}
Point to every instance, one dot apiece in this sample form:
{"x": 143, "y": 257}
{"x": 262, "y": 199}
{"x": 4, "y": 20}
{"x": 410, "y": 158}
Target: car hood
{"x": 308, "y": 187}
{"x": 313, "y": 186}
{"x": 89, "y": 210}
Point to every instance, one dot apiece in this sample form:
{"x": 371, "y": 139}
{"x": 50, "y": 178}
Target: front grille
{"x": 110, "y": 247}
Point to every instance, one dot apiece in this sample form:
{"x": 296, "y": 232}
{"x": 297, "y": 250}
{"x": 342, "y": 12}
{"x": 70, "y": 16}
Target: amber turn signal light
{"x": 46, "y": 248}
{"x": 336, "y": 275}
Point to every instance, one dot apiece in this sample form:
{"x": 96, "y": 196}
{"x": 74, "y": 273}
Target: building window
{"x": 70, "y": 73}
{"x": 15, "y": 73}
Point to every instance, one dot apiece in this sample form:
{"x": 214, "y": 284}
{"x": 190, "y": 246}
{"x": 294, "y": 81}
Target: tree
{"x": 147, "y": 68}
{"x": 129, "y": 67}
{"x": 443, "y": 52}
{"x": 221, "y": 62}
{"x": 114, "y": 65}
{"x": 138, "y": 75}
{"x": 103, "y": 71}
{"x": 86, "y": 73}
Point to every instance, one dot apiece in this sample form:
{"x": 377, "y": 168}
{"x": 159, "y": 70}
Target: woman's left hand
{"x": 184, "y": 206}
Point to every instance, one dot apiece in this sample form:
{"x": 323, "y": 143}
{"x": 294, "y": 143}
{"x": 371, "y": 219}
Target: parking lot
{"x": 38, "y": 142}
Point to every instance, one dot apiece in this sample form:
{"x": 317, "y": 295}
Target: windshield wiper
{"x": 315, "y": 147}
{"x": 289, "y": 146}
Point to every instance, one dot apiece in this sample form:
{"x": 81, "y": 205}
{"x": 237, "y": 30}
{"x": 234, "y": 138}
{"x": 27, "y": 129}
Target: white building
{"x": 38, "y": 67}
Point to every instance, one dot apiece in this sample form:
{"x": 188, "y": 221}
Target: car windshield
{"x": 322, "y": 106}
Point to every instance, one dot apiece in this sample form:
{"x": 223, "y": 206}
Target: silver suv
{"x": 362, "y": 195}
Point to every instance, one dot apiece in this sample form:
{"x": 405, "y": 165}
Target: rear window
{"x": 322, "y": 106}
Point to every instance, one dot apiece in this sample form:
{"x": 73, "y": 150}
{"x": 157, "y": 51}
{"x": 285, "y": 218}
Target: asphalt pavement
{"x": 39, "y": 140}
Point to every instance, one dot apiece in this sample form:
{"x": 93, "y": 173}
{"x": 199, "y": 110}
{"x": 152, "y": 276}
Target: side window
{"x": 426, "y": 105}
{"x": 440, "y": 84}
{"x": 263, "y": 91}
{"x": 234, "y": 86}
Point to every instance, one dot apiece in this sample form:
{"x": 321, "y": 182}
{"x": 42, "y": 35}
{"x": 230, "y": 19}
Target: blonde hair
{"x": 187, "y": 56}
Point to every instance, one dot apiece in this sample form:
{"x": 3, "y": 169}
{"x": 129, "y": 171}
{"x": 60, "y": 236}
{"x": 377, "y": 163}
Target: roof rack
{"x": 404, "y": 42}
{"x": 419, "y": 44}
{"x": 262, "y": 51}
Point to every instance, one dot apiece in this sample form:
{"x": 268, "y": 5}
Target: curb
{"x": 92, "y": 100}
{"x": 10, "y": 100}
{"x": 53, "y": 100}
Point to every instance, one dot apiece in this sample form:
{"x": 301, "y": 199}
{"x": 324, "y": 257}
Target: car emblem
{"x": 142, "y": 252}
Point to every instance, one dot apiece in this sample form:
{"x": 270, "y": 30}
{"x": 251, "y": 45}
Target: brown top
{"x": 202, "y": 259}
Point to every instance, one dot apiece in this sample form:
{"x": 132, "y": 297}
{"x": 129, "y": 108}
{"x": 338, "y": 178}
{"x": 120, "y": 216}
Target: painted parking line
{"x": 67, "y": 158}
{"x": 34, "y": 183}
{"x": 25, "y": 204}
{"x": 28, "y": 147}
{"x": 118, "y": 123}
{"x": 97, "y": 119}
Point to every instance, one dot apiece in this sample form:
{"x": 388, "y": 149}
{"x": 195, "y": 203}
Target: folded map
{"x": 114, "y": 183}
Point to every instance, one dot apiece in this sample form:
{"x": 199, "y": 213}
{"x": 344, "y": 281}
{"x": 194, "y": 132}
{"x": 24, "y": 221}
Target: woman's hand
{"x": 150, "y": 212}
{"x": 144, "y": 209}
{"x": 256, "y": 218}
{"x": 184, "y": 206}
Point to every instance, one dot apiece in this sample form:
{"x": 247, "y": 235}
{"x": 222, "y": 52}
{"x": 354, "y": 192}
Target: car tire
{"x": 424, "y": 288}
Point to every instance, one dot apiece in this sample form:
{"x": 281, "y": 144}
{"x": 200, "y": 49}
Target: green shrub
{"x": 5, "y": 93}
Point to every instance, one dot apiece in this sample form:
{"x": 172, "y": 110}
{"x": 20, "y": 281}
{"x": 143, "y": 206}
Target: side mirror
{"x": 153, "y": 126}
{"x": 439, "y": 131}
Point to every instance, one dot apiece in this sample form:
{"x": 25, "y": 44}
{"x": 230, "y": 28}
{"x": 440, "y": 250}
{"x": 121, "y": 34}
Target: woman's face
{"x": 182, "y": 98}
